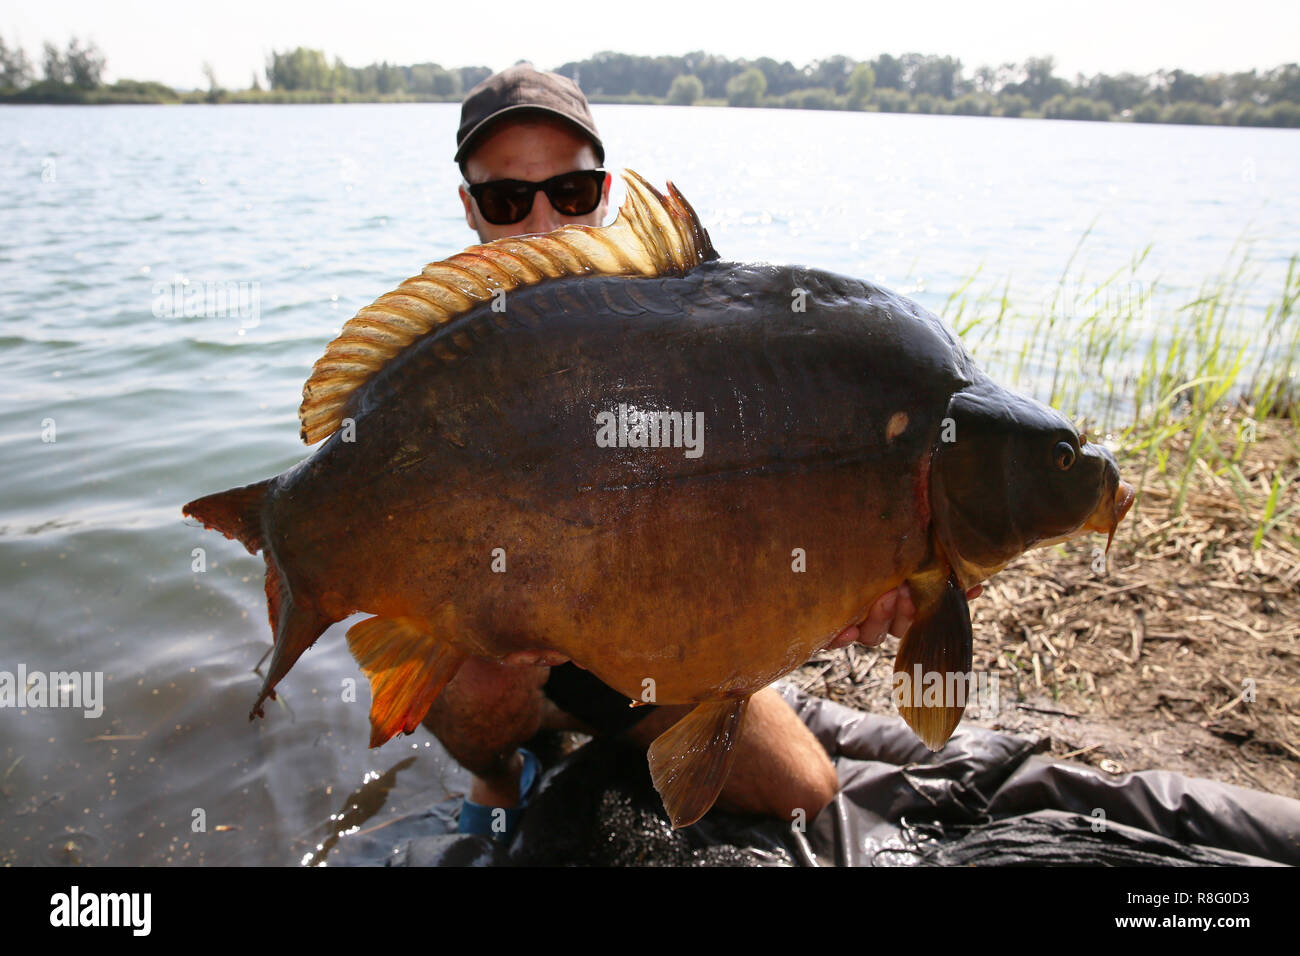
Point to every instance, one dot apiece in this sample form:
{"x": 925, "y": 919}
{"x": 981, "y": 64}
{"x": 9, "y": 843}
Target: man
{"x": 535, "y": 130}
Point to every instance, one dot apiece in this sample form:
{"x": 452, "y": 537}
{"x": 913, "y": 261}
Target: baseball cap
{"x": 523, "y": 88}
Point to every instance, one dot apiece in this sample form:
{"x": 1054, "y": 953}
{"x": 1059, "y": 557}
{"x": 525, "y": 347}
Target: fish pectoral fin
{"x": 932, "y": 669}
{"x": 407, "y": 668}
{"x": 689, "y": 761}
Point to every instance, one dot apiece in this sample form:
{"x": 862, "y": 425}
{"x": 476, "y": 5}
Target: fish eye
{"x": 1063, "y": 455}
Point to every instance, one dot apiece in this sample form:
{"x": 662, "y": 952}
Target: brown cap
{"x": 521, "y": 88}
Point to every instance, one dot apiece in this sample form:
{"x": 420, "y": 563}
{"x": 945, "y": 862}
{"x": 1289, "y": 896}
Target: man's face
{"x": 531, "y": 149}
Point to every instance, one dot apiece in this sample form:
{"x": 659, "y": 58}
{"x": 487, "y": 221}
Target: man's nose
{"x": 542, "y": 217}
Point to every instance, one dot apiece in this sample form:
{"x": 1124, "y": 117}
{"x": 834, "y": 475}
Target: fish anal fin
{"x": 689, "y": 761}
{"x": 932, "y": 669}
{"x": 407, "y": 668}
{"x": 236, "y": 513}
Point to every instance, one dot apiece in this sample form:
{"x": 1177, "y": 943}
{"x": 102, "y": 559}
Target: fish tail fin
{"x": 407, "y": 668}
{"x": 690, "y": 761}
{"x": 236, "y": 513}
{"x": 932, "y": 669}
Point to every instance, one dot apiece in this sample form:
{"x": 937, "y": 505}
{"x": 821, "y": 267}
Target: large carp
{"x": 682, "y": 474}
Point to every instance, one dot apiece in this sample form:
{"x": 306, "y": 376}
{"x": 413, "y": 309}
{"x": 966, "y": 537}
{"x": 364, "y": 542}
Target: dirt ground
{"x": 1182, "y": 654}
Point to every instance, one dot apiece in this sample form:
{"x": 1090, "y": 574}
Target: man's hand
{"x": 891, "y": 614}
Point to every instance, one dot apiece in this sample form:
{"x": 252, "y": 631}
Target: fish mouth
{"x": 1114, "y": 505}
{"x": 1111, "y": 511}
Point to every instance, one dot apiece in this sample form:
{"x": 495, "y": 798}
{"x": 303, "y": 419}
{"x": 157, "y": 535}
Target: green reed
{"x": 1141, "y": 371}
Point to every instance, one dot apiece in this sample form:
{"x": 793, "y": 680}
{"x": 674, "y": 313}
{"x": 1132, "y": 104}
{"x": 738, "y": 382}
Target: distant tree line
{"x": 915, "y": 82}
{"x": 912, "y": 82}
{"x": 75, "y": 75}
{"x": 80, "y": 66}
{"x": 304, "y": 69}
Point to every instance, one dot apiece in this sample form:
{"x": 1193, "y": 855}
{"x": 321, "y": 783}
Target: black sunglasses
{"x": 504, "y": 202}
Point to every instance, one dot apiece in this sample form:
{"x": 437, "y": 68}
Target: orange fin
{"x": 932, "y": 669}
{"x": 407, "y": 669}
{"x": 689, "y": 761}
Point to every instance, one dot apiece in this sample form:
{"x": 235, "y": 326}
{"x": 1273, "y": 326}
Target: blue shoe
{"x": 476, "y": 818}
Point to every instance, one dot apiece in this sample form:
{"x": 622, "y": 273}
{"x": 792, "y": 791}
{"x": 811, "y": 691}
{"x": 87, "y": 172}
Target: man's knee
{"x": 797, "y": 787}
{"x": 781, "y": 770}
{"x": 486, "y": 712}
{"x": 814, "y": 788}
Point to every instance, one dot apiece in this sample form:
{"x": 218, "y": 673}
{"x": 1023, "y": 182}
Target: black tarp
{"x": 987, "y": 798}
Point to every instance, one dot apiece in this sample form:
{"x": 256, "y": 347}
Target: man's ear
{"x": 604, "y": 196}
{"x": 468, "y": 201}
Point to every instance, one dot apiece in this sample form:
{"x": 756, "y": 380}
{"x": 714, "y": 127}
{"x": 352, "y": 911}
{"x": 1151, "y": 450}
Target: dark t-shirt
{"x": 578, "y": 692}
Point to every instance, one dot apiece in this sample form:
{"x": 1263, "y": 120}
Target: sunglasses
{"x": 504, "y": 202}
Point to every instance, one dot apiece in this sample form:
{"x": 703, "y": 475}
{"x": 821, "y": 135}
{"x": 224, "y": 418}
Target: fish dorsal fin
{"x": 653, "y": 235}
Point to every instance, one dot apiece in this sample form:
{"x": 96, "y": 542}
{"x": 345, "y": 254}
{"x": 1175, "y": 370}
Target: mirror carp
{"x": 685, "y": 475}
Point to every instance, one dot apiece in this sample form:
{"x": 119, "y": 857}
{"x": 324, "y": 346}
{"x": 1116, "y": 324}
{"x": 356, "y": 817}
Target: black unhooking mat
{"x": 986, "y": 799}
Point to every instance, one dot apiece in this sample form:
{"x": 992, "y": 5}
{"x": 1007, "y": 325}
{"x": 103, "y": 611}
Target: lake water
{"x": 119, "y": 406}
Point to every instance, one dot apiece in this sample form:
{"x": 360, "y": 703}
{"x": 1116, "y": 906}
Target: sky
{"x": 170, "y": 41}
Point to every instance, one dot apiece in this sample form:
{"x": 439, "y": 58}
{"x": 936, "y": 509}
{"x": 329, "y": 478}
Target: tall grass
{"x": 1141, "y": 371}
